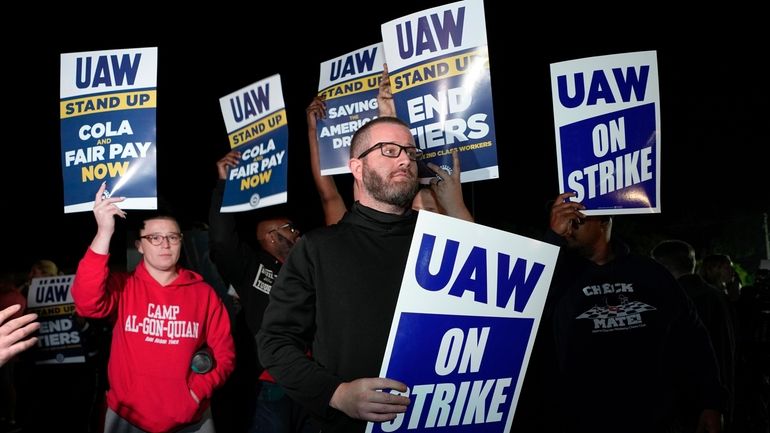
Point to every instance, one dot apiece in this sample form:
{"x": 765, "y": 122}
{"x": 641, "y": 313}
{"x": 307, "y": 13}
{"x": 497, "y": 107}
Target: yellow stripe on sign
{"x": 258, "y": 128}
{"x": 53, "y": 310}
{"x": 465, "y": 63}
{"x": 351, "y": 87}
{"x": 107, "y": 102}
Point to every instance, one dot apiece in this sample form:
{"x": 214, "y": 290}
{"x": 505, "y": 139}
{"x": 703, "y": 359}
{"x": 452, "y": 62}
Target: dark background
{"x": 714, "y": 114}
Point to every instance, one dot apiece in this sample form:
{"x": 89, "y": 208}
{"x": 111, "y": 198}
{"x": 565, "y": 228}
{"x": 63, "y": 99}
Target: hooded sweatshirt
{"x": 631, "y": 350}
{"x": 156, "y": 333}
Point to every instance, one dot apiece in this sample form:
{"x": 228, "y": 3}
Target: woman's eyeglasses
{"x": 157, "y": 239}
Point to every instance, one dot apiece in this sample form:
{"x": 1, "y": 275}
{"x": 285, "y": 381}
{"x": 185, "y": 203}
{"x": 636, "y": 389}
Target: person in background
{"x": 752, "y": 406}
{"x": 714, "y": 311}
{"x": 252, "y": 273}
{"x": 41, "y": 268}
{"x": 717, "y": 270}
{"x": 164, "y": 315}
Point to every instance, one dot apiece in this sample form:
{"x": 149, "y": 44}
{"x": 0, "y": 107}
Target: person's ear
{"x": 356, "y": 167}
{"x": 138, "y": 245}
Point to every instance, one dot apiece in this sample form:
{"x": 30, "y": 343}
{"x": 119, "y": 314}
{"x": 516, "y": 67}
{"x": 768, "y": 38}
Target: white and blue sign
{"x": 349, "y": 86}
{"x": 607, "y": 122}
{"x": 107, "y": 112}
{"x": 59, "y": 340}
{"x": 439, "y": 72}
{"x": 255, "y": 118}
{"x": 465, "y": 323}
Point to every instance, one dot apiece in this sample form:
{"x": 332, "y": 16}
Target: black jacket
{"x": 715, "y": 313}
{"x": 250, "y": 271}
{"x": 336, "y": 292}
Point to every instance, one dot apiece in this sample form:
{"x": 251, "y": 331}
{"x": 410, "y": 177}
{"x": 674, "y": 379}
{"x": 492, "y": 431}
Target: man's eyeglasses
{"x": 393, "y": 150}
{"x": 157, "y": 239}
{"x": 288, "y": 226}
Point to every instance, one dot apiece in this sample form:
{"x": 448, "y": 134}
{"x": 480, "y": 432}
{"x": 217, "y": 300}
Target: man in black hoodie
{"x": 630, "y": 348}
{"x": 339, "y": 287}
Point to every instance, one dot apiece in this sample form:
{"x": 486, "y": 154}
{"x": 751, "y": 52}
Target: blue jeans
{"x": 277, "y": 413}
{"x": 113, "y": 423}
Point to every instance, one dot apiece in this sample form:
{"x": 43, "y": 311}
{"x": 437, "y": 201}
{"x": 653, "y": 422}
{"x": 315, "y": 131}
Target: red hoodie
{"x": 157, "y": 330}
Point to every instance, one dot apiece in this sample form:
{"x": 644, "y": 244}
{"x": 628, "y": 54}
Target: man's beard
{"x": 398, "y": 194}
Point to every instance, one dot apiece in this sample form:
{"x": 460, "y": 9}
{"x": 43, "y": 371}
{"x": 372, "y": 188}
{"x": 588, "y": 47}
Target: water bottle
{"x": 202, "y": 361}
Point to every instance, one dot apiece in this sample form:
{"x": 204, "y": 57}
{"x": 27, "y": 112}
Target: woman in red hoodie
{"x": 164, "y": 315}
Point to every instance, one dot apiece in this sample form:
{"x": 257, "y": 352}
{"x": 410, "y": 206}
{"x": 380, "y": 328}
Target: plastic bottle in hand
{"x": 202, "y": 361}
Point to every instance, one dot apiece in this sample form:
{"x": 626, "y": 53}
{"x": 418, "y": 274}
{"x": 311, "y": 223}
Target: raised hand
{"x": 105, "y": 210}
{"x": 316, "y": 110}
{"x": 563, "y": 213}
{"x": 448, "y": 189}
{"x": 331, "y": 200}
{"x": 386, "y": 106}
{"x": 227, "y": 162}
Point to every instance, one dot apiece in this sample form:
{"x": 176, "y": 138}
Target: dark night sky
{"x": 712, "y": 89}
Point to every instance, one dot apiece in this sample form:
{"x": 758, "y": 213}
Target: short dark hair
{"x": 676, "y": 255}
{"x": 159, "y": 217}
{"x": 362, "y": 134}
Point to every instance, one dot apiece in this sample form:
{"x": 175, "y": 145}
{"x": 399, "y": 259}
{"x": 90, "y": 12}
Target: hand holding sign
{"x": 315, "y": 111}
{"x": 363, "y": 399}
{"x": 105, "y": 209}
{"x": 227, "y": 162}
{"x": 448, "y": 189}
{"x": 385, "y": 105}
{"x": 564, "y": 213}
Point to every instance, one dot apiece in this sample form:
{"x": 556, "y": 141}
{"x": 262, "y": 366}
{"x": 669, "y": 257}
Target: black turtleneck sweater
{"x": 336, "y": 293}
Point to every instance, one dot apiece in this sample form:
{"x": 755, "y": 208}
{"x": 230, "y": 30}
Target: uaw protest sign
{"x": 465, "y": 324}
